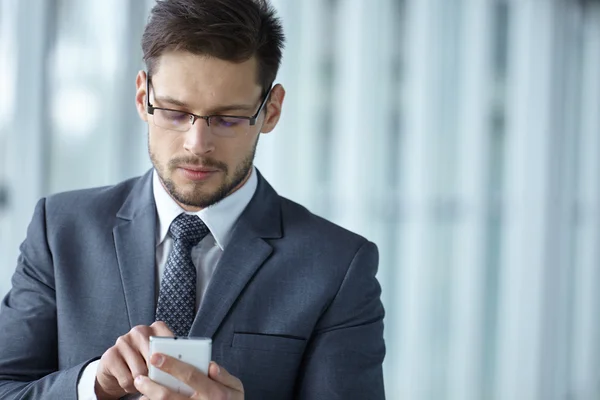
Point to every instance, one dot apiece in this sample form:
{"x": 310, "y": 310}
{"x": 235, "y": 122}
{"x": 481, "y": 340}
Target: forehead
{"x": 190, "y": 77}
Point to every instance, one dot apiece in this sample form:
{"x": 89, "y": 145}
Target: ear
{"x": 140, "y": 95}
{"x": 274, "y": 106}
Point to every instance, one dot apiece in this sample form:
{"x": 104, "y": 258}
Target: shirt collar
{"x": 219, "y": 217}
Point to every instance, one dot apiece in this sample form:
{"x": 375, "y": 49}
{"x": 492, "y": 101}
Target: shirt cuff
{"x": 87, "y": 382}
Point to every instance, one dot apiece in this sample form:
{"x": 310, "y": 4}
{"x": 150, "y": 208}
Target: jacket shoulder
{"x": 103, "y": 200}
{"x": 301, "y": 223}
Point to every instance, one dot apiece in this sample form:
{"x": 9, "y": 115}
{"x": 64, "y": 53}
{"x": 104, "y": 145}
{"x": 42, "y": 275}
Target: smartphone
{"x": 195, "y": 351}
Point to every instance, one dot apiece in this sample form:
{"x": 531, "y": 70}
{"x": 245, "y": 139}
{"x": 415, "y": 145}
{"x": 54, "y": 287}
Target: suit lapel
{"x": 235, "y": 269}
{"x": 135, "y": 248}
{"x": 244, "y": 255}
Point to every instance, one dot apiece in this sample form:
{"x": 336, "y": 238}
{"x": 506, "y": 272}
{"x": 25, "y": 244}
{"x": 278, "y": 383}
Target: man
{"x": 201, "y": 245}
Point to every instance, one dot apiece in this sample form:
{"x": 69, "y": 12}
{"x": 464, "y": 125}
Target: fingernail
{"x": 158, "y": 360}
{"x": 139, "y": 379}
{"x": 218, "y": 368}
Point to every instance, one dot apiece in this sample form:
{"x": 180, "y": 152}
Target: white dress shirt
{"x": 219, "y": 218}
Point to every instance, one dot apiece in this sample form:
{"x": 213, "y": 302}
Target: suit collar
{"x": 262, "y": 216}
{"x": 140, "y": 198}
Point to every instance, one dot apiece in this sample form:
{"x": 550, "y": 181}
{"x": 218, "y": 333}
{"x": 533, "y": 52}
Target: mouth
{"x": 196, "y": 168}
{"x": 197, "y": 173}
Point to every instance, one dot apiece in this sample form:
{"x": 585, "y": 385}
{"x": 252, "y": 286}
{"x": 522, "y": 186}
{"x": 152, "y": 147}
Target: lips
{"x": 195, "y": 168}
{"x": 196, "y": 173}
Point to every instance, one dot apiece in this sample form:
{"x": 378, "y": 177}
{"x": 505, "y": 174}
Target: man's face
{"x": 197, "y": 167}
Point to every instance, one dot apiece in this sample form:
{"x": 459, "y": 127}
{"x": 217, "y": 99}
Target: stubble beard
{"x": 198, "y": 198}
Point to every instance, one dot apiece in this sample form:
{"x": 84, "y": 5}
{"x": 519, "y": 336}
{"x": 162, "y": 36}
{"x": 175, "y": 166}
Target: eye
{"x": 176, "y": 117}
{"x": 226, "y": 122}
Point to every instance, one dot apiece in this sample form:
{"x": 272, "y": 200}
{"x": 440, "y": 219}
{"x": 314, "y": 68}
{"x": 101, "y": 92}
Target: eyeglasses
{"x": 220, "y": 125}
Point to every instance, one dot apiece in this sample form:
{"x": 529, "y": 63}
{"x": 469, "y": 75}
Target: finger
{"x": 118, "y": 369}
{"x": 152, "y": 390}
{"x": 159, "y": 328}
{"x": 186, "y": 373}
{"x": 132, "y": 357}
{"x": 220, "y": 374}
{"x": 140, "y": 336}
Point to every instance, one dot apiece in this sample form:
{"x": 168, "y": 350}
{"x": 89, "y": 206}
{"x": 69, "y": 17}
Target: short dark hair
{"x": 231, "y": 30}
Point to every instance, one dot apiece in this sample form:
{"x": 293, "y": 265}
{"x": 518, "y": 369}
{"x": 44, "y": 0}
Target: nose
{"x": 199, "y": 140}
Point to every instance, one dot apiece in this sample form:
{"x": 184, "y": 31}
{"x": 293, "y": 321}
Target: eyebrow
{"x": 214, "y": 110}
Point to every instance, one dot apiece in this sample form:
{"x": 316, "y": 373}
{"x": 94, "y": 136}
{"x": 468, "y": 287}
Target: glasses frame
{"x": 193, "y": 117}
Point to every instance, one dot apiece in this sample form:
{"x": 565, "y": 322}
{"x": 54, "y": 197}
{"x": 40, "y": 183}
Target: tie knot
{"x": 188, "y": 228}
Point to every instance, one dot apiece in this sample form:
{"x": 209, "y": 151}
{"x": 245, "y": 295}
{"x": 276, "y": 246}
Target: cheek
{"x": 232, "y": 151}
{"x": 165, "y": 145}
{"x": 243, "y": 147}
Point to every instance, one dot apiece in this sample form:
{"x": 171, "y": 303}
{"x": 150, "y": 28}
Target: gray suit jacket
{"x": 293, "y": 307}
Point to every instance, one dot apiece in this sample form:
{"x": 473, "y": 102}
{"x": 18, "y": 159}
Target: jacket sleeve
{"x": 28, "y": 325}
{"x": 345, "y": 354}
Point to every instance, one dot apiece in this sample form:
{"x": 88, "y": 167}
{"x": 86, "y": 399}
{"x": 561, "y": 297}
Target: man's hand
{"x": 126, "y": 360}
{"x": 218, "y": 385}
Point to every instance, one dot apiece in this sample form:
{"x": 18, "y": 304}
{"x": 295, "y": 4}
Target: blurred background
{"x": 462, "y": 136}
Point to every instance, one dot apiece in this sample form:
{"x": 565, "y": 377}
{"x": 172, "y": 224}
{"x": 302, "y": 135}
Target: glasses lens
{"x": 174, "y": 120}
{"x": 229, "y": 126}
